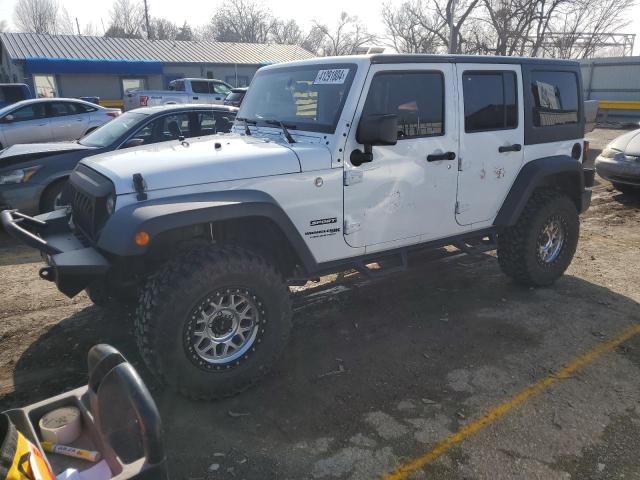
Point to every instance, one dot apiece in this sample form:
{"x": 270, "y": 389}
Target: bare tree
{"x": 286, "y": 32}
{"x": 126, "y": 20}
{"x": 430, "y": 25}
{"x": 3, "y": 25}
{"x": 348, "y": 35}
{"x": 65, "y": 25}
{"x": 405, "y": 25}
{"x": 36, "y": 16}
{"x": 240, "y": 21}
{"x": 185, "y": 32}
{"x": 162, "y": 29}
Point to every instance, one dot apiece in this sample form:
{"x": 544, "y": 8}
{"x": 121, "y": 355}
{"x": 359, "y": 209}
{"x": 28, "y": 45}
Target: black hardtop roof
{"x": 425, "y": 58}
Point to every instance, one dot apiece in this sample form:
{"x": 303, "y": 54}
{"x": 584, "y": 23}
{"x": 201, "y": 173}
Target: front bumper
{"x": 21, "y": 196}
{"x": 72, "y": 263}
{"x": 619, "y": 171}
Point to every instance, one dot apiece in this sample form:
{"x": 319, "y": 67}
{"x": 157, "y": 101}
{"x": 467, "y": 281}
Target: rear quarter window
{"x": 555, "y": 98}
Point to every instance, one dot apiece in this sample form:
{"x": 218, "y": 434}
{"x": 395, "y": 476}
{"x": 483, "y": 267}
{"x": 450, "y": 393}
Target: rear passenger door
{"x": 68, "y": 120}
{"x": 491, "y": 138}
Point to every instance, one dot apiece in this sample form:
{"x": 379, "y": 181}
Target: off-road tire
{"x": 168, "y": 299}
{"x": 517, "y": 254}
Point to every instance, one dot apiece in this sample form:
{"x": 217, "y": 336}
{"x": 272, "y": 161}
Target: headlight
{"x": 18, "y": 176}
{"x": 609, "y": 152}
{"x": 111, "y": 204}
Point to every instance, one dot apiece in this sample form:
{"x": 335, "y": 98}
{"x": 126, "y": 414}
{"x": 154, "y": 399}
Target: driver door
{"x": 407, "y": 194}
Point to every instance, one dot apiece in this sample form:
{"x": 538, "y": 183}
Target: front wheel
{"x": 538, "y": 249}
{"x": 625, "y": 187}
{"x": 212, "y": 322}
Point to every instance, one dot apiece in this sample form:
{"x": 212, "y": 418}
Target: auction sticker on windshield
{"x": 333, "y": 76}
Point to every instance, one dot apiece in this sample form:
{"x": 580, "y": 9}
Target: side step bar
{"x": 399, "y": 261}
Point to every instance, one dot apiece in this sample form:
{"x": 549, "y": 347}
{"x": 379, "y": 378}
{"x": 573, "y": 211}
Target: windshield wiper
{"x": 246, "y": 121}
{"x": 287, "y": 135}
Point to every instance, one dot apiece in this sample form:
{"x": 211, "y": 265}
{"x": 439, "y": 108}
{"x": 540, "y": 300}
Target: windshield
{"x": 113, "y": 130}
{"x": 304, "y": 98}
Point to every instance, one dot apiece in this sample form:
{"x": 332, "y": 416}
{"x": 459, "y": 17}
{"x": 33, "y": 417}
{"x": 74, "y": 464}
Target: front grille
{"x": 83, "y": 210}
{"x": 88, "y": 202}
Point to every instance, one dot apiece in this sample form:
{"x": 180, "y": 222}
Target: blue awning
{"x": 114, "y": 67}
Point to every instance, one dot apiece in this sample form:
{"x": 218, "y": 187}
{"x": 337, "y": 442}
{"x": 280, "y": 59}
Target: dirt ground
{"x": 414, "y": 357}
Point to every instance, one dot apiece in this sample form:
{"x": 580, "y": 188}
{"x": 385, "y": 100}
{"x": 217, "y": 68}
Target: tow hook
{"x": 47, "y": 273}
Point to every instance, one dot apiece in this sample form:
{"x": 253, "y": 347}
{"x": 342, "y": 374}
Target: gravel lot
{"x": 411, "y": 359}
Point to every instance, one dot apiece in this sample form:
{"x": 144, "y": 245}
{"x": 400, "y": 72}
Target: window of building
{"x": 555, "y": 97}
{"x": 199, "y": 86}
{"x": 490, "y": 101}
{"x": 133, "y": 84}
{"x": 416, "y": 97}
{"x": 237, "y": 80}
{"x": 45, "y": 86}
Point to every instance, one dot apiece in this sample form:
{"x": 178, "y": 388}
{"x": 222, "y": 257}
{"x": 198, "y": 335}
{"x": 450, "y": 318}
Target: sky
{"x": 197, "y": 12}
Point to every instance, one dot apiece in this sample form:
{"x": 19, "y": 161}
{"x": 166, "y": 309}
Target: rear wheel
{"x": 212, "y": 322}
{"x": 540, "y": 246}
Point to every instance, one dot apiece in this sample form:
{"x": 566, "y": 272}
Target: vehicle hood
{"x": 629, "y": 143}
{"x": 197, "y": 161}
{"x": 33, "y": 151}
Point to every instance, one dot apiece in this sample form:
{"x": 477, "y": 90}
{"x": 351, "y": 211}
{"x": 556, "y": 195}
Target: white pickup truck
{"x": 183, "y": 90}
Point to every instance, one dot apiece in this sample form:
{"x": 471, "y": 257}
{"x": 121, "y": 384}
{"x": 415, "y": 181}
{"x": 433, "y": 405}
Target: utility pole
{"x": 146, "y": 17}
{"x": 78, "y": 26}
{"x": 453, "y": 38}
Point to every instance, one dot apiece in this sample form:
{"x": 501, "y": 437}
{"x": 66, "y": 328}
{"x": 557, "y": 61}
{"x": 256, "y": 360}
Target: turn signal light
{"x": 142, "y": 238}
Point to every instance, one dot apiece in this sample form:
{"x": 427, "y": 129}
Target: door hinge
{"x": 352, "y": 177}
{"x": 351, "y": 227}
{"x": 460, "y": 163}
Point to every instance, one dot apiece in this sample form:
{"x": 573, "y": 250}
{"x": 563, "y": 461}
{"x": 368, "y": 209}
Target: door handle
{"x": 516, "y": 147}
{"x": 195, "y": 98}
{"x": 434, "y": 157}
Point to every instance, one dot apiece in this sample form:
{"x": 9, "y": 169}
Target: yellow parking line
{"x": 508, "y": 405}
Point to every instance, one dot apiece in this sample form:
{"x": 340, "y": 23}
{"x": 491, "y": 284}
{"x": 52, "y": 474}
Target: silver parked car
{"x": 50, "y": 120}
{"x": 619, "y": 162}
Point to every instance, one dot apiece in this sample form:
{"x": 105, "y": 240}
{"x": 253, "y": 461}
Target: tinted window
{"x": 555, "y": 96}
{"x": 417, "y": 98}
{"x": 57, "y": 109}
{"x": 200, "y": 87}
{"x": 214, "y": 122}
{"x": 29, "y": 113}
{"x": 178, "y": 86}
{"x": 11, "y": 93}
{"x": 490, "y": 101}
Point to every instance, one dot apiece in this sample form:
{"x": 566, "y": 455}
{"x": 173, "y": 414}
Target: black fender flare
{"x": 538, "y": 173}
{"x": 157, "y": 216}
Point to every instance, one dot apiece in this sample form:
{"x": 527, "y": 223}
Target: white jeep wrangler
{"x": 333, "y": 164}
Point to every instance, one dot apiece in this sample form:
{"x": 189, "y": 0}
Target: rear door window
{"x": 200, "y": 86}
{"x": 417, "y": 98}
{"x": 490, "y": 101}
{"x": 555, "y": 96}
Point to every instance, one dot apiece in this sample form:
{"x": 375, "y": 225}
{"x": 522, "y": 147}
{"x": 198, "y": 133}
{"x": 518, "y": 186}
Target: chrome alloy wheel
{"x": 551, "y": 240}
{"x": 223, "y": 327}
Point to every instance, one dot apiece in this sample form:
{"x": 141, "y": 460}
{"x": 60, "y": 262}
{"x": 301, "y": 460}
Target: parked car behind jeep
{"x": 13, "y": 92}
{"x": 51, "y": 120}
{"x": 185, "y": 90}
{"x": 32, "y": 176}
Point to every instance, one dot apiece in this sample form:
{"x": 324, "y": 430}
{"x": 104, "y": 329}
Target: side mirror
{"x": 8, "y": 119}
{"x": 133, "y": 142}
{"x": 378, "y": 129}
